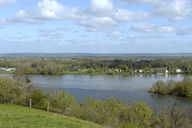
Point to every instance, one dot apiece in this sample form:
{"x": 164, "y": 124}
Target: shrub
{"x": 6, "y": 90}
{"x": 173, "y": 117}
{"x": 183, "y": 88}
{"x": 159, "y": 87}
{"x": 63, "y": 103}
{"x": 12, "y": 91}
{"x": 141, "y": 114}
{"x": 39, "y": 99}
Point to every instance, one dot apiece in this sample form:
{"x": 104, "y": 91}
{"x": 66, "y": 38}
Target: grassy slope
{"x": 12, "y": 116}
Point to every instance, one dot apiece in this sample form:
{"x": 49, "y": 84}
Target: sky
{"x": 95, "y": 26}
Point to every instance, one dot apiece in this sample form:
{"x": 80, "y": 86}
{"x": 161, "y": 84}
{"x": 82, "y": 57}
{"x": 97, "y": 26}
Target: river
{"x": 126, "y": 88}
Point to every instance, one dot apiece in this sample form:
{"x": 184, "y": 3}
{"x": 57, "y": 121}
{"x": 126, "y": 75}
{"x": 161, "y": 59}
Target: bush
{"x": 173, "y": 117}
{"x": 183, "y": 88}
{"x": 63, "y": 103}
{"x": 6, "y": 90}
{"x": 141, "y": 114}
{"x": 12, "y": 91}
{"x": 159, "y": 87}
{"x": 105, "y": 112}
{"x": 39, "y": 99}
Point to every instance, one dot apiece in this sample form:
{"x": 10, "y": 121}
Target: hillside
{"x": 12, "y": 116}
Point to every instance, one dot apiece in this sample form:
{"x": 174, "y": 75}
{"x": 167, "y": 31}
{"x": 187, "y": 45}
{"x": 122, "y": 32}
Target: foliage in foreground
{"x": 111, "y": 113}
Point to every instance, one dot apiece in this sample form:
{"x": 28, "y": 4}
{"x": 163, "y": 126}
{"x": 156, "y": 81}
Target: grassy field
{"x": 12, "y": 116}
{"x": 4, "y": 71}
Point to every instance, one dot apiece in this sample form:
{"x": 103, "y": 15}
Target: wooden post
{"x": 47, "y": 106}
{"x": 11, "y": 101}
{"x": 30, "y": 103}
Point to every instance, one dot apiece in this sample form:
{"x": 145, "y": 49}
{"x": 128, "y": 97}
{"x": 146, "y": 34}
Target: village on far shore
{"x": 136, "y": 71}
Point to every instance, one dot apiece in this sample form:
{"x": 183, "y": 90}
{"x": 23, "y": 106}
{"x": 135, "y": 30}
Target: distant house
{"x": 166, "y": 71}
{"x": 8, "y": 69}
{"x": 140, "y": 70}
{"x": 178, "y": 71}
{"x": 118, "y": 70}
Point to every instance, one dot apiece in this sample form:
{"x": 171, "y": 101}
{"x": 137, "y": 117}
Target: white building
{"x": 8, "y": 69}
{"x": 140, "y": 71}
{"x": 178, "y": 71}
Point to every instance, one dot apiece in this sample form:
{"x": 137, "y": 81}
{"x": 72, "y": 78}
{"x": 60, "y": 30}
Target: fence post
{"x": 11, "y": 101}
{"x": 30, "y": 103}
{"x": 47, "y": 106}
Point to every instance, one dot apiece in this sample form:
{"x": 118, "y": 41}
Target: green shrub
{"x": 106, "y": 112}
{"x": 39, "y": 99}
{"x": 14, "y": 91}
{"x": 183, "y": 88}
{"x": 141, "y": 114}
{"x": 63, "y": 103}
{"x": 6, "y": 90}
{"x": 173, "y": 117}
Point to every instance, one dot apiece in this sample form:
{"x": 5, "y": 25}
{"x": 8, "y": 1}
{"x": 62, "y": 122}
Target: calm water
{"x": 126, "y": 88}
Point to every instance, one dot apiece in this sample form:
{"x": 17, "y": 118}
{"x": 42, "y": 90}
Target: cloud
{"x": 103, "y": 14}
{"x": 173, "y": 9}
{"x": 103, "y": 7}
{"x": 184, "y": 31}
{"x": 126, "y": 15}
{"x": 52, "y": 9}
{"x": 98, "y": 22}
{"x": 107, "y": 9}
{"x": 142, "y": 1}
{"x": 100, "y": 14}
{"x": 46, "y": 10}
{"x": 152, "y": 28}
{"x": 2, "y": 2}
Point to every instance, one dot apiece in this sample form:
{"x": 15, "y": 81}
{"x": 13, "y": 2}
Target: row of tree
{"x": 98, "y": 65}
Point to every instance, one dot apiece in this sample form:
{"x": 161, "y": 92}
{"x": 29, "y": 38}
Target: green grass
{"x": 4, "y": 71}
{"x": 13, "y": 116}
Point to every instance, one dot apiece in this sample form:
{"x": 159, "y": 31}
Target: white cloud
{"x": 23, "y": 16}
{"x": 184, "y": 31}
{"x": 165, "y": 29}
{"x": 126, "y": 15}
{"x": 142, "y": 1}
{"x": 98, "y": 22}
{"x": 6, "y": 1}
{"x": 100, "y": 14}
{"x": 101, "y": 6}
{"x": 47, "y": 10}
{"x": 107, "y": 9}
{"x": 117, "y": 33}
{"x": 152, "y": 28}
{"x": 173, "y": 9}
{"x": 50, "y": 9}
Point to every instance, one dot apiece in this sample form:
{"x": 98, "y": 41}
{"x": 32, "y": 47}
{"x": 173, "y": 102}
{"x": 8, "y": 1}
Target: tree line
{"x": 108, "y": 66}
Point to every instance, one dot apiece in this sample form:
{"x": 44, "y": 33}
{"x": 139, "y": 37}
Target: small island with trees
{"x": 177, "y": 88}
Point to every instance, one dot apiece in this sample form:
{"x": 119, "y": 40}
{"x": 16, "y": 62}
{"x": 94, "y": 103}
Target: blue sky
{"x": 96, "y": 26}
